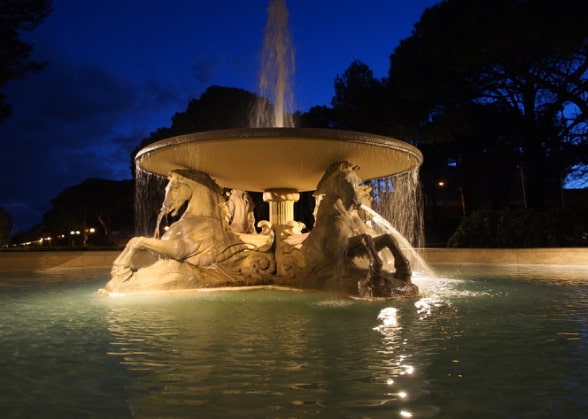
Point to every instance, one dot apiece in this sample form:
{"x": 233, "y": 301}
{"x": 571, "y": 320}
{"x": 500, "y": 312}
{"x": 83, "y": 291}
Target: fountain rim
{"x": 273, "y": 133}
{"x": 146, "y": 154}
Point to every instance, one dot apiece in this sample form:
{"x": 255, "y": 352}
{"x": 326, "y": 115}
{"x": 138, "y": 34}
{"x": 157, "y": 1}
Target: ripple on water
{"x": 469, "y": 346}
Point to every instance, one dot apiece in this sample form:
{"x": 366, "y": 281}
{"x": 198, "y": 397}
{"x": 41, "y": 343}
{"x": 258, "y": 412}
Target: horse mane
{"x": 331, "y": 170}
{"x": 199, "y": 177}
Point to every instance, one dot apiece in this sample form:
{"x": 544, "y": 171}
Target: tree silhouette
{"x": 17, "y": 16}
{"x": 104, "y": 204}
{"x": 217, "y": 108}
{"x": 523, "y": 61}
{"x": 358, "y": 103}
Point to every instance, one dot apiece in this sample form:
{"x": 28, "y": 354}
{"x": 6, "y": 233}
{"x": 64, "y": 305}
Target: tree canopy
{"x": 507, "y": 77}
{"x": 217, "y": 108}
{"x": 106, "y": 205}
{"x": 358, "y": 103}
{"x": 17, "y": 16}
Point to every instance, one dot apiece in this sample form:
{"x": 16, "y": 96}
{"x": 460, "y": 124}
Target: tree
{"x": 317, "y": 117}
{"x": 525, "y": 61}
{"x": 104, "y": 204}
{"x": 358, "y": 103}
{"x": 217, "y": 108}
{"x": 17, "y": 16}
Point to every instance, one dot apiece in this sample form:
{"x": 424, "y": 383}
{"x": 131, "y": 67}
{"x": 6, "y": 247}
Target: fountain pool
{"x": 494, "y": 341}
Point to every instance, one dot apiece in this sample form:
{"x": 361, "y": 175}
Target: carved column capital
{"x": 278, "y": 195}
{"x": 281, "y": 202}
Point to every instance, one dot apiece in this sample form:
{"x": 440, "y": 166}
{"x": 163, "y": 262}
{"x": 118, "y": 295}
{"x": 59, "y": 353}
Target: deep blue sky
{"x": 120, "y": 69}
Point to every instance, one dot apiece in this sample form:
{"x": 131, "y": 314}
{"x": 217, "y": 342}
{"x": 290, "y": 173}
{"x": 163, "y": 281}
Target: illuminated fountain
{"x": 216, "y": 242}
{"x": 489, "y": 340}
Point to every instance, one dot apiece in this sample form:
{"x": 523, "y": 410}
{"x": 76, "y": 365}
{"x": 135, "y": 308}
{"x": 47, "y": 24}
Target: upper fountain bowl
{"x": 261, "y": 159}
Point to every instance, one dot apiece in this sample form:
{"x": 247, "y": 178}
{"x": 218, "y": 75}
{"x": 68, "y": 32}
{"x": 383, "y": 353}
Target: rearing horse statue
{"x": 340, "y": 236}
{"x": 200, "y": 239}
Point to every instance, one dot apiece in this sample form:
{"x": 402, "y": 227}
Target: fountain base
{"x": 214, "y": 242}
{"x": 171, "y": 275}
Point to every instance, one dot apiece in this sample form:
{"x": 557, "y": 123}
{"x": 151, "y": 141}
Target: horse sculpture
{"x": 198, "y": 250}
{"x": 241, "y": 217}
{"x": 340, "y": 238}
{"x": 213, "y": 243}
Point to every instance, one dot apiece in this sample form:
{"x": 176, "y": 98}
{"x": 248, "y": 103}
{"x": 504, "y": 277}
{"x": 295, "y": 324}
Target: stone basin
{"x": 262, "y": 159}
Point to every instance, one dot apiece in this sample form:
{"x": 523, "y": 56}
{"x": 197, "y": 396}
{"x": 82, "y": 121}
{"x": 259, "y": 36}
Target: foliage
{"x": 106, "y": 205}
{"x": 498, "y": 89}
{"x": 521, "y": 228}
{"x": 358, "y": 103}
{"x": 317, "y": 117}
{"x": 217, "y": 108}
{"x": 523, "y": 61}
{"x": 17, "y": 16}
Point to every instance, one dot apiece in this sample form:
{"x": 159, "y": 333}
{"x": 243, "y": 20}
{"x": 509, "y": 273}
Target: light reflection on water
{"x": 506, "y": 343}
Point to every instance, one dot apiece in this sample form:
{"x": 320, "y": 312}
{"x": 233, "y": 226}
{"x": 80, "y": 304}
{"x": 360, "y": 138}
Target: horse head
{"x": 177, "y": 192}
{"x": 188, "y": 185}
{"x": 341, "y": 181}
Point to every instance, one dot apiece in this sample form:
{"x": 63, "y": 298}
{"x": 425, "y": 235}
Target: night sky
{"x": 120, "y": 69}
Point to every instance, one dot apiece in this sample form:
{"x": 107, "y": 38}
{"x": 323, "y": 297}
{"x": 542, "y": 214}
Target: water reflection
{"x": 302, "y": 355}
{"x": 223, "y": 349}
{"x": 475, "y": 346}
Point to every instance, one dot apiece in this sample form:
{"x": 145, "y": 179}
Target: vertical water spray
{"x": 276, "y": 71}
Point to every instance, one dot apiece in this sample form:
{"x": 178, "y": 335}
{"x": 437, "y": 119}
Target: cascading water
{"x": 380, "y": 225}
{"x": 399, "y": 199}
{"x": 148, "y": 197}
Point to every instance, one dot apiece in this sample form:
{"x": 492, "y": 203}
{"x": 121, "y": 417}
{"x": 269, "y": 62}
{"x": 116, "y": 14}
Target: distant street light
{"x": 87, "y": 233}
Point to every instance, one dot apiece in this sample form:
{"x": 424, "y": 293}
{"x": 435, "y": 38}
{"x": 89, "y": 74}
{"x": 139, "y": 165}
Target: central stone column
{"x": 281, "y": 205}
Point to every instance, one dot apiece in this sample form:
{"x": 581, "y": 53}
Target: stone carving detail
{"x": 341, "y": 245}
{"x": 214, "y": 243}
{"x": 240, "y": 206}
{"x": 198, "y": 250}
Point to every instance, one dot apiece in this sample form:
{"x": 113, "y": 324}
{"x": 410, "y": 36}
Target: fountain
{"x": 216, "y": 243}
{"x": 489, "y": 340}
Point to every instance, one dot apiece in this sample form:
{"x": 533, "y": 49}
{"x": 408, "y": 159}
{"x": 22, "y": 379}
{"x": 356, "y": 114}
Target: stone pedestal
{"x": 281, "y": 205}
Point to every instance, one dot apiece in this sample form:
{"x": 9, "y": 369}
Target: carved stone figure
{"x": 214, "y": 243}
{"x": 198, "y": 250}
{"x": 241, "y": 216}
{"x": 340, "y": 238}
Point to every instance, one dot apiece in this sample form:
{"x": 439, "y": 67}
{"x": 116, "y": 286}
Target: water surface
{"x": 489, "y": 342}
